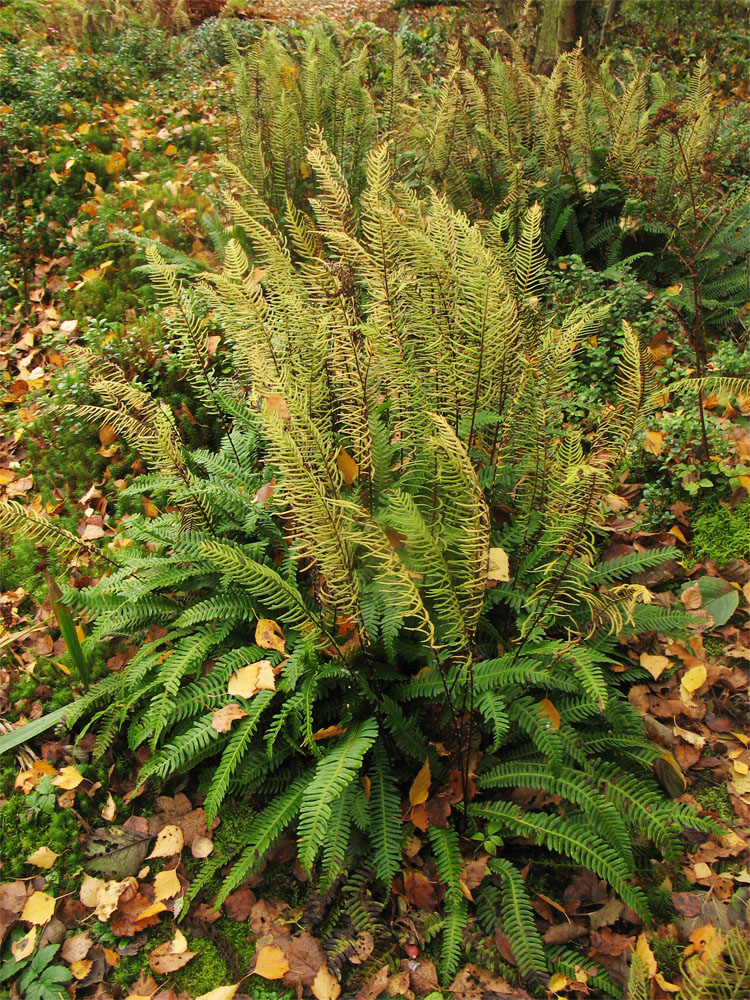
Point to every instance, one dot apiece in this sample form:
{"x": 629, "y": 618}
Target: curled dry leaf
{"x": 169, "y": 842}
{"x": 42, "y": 857}
{"x": 222, "y": 718}
{"x": 39, "y": 908}
{"x": 110, "y": 809}
{"x": 551, "y": 712}
{"x": 201, "y": 847}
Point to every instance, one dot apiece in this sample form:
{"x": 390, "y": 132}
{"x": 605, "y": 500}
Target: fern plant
{"x": 393, "y": 438}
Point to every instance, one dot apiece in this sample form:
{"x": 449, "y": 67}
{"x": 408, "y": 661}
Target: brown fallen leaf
{"x": 110, "y": 809}
{"x": 171, "y": 955}
{"x": 375, "y": 985}
{"x": 201, "y": 847}
{"x": 222, "y": 718}
{"x": 239, "y": 903}
{"x": 76, "y": 948}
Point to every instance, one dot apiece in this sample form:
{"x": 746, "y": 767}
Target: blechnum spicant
{"x": 392, "y": 431}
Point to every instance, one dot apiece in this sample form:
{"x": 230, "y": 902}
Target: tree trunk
{"x": 563, "y": 23}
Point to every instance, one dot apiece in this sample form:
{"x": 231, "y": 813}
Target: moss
{"x": 667, "y": 954}
{"x": 722, "y": 534}
{"x": 237, "y": 943}
{"x": 204, "y": 972}
{"x": 715, "y": 799}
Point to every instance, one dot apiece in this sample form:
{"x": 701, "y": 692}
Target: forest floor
{"x": 147, "y": 162}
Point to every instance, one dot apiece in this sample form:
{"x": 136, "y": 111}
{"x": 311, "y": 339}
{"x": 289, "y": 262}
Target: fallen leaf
{"x": 551, "y": 712}
{"x": 276, "y": 403}
{"x": 220, "y": 993}
{"x": 110, "y": 809}
{"x": 166, "y": 884}
{"x": 325, "y": 986}
{"x": 68, "y": 778}
{"x": 656, "y": 665}
{"x": 268, "y": 635}
{"x": 499, "y": 570}
{"x": 171, "y": 955}
{"x": 271, "y": 962}
{"x": 643, "y": 951}
{"x": 420, "y": 788}
{"x": 654, "y": 442}
{"x": 222, "y": 718}
{"x": 76, "y": 948}
{"x": 557, "y": 982}
{"x": 81, "y": 968}
{"x": 39, "y": 908}
{"x": 692, "y": 680}
{"x": 42, "y": 857}
{"x": 201, "y": 847}
{"x": 89, "y": 890}
{"x": 169, "y": 842}
{"x": 347, "y": 466}
{"x": 249, "y": 680}
{"x": 22, "y": 948}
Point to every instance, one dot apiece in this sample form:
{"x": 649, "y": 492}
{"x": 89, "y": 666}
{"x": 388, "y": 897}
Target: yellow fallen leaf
{"x": 677, "y": 532}
{"x": 68, "y": 778}
{"x": 328, "y": 732}
{"x": 551, "y": 712}
{"x": 643, "y": 951}
{"x": 271, "y": 962}
{"x": 81, "y": 968}
{"x": 220, "y": 993}
{"x": 694, "y": 678}
{"x": 654, "y": 442}
{"x": 39, "y": 908}
{"x": 107, "y": 898}
{"x": 169, "y": 842}
{"x": 268, "y": 635}
{"x": 42, "y": 857}
{"x": 170, "y": 150}
{"x": 112, "y": 958}
{"x": 22, "y": 948}
{"x": 249, "y": 680}
{"x": 115, "y": 163}
{"x": 166, "y": 884}
{"x": 420, "y": 788}
{"x": 668, "y": 987}
{"x": 656, "y": 665}
{"x": 498, "y": 571}
{"x": 347, "y": 466}
{"x": 325, "y": 986}
{"x": 557, "y": 982}
{"x": 740, "y": 767}
{"x": 90, "y": 889}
